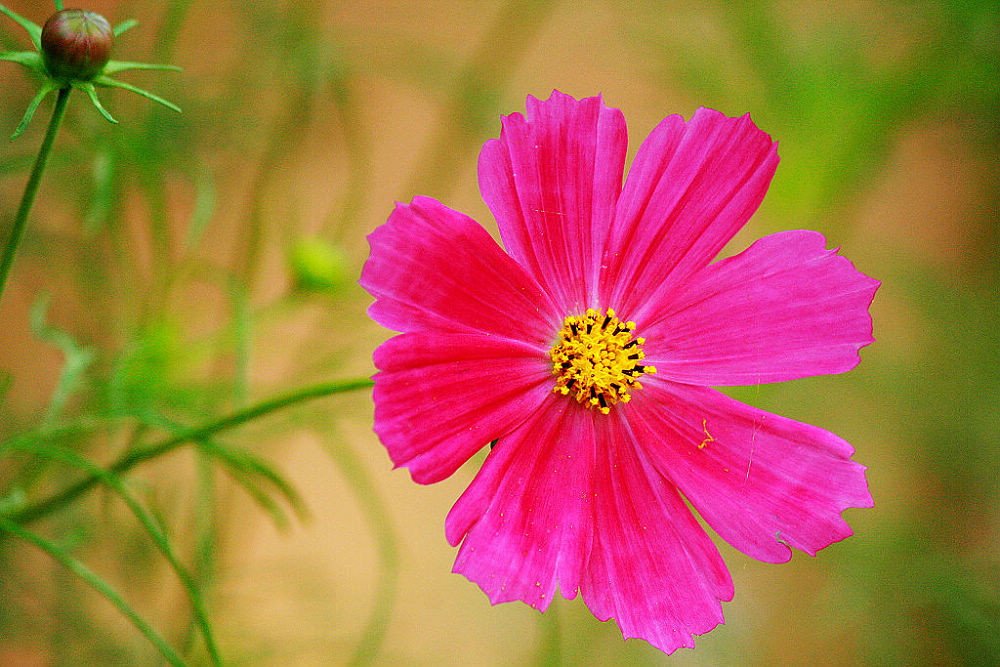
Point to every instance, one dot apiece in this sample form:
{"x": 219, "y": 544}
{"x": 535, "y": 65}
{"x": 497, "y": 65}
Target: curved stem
{"x": 17, "y": 231}
{"x": 132, "y": 458}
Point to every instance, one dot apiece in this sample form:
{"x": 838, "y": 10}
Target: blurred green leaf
{"x": 104, "y": 189}
{"x": 151, "y": 522}
{"x": 204, "y": 209}
{"x": 254, "y": 474}
{"x": 65, "y": 559}
{"x": 77, "y": 359}
{"x": 257, "y": 477}
{"x": 374, "y": 508}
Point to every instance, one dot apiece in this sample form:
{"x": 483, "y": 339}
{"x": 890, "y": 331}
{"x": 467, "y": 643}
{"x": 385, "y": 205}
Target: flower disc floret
{"x": 597, "y": 361}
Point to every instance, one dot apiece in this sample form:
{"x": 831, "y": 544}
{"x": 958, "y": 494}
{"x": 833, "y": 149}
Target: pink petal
{"x": 690, "y": 189}
{"x": 433, "y": 268}
{"x": 652, "y": 566}
{"x": 440, "y": 398}
{"x": 783, "y": 309}
{"x": 526, "y": 518}
{"x": 763, "y": 482}
{"x": 552, "y": 181}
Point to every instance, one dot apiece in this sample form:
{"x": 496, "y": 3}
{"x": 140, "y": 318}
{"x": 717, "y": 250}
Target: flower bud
{"x": 76, "y": 44}
{"x": 318, "y": 266}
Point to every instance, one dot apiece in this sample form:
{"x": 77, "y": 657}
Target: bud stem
{"x": 17, "y": 231}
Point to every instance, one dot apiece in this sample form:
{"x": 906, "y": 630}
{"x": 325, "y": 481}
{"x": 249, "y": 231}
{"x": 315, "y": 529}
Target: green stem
{"x": 134, "y": 457}
{"x": 17, "y": 231}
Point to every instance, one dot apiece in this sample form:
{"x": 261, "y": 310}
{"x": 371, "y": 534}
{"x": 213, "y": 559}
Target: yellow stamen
{"x": 596, "y": 360}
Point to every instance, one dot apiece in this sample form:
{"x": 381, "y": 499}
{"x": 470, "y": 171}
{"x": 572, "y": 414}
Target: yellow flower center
{"x": 597, "y": 361}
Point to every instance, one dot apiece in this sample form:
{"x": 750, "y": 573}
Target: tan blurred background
{"x": 209, "y": 260}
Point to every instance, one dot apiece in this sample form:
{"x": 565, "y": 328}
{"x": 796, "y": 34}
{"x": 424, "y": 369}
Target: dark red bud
{"x": 76, "y": 44}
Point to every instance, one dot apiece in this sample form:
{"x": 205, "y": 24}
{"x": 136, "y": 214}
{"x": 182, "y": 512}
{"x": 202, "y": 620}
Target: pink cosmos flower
{"x": 586, "y": 351}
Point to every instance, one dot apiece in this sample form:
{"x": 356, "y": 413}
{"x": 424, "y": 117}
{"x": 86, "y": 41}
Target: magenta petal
{"x": 785, "y": 308}
{"x": 690, "y": 189}
{"x": 652, "y": 567}
{"x": 433, "y": 268}
{"x": 764, "y": 483}
{"x": 526, "y": 518}
{"x": 440, "y": 398}
{"x": 552, "y": 181}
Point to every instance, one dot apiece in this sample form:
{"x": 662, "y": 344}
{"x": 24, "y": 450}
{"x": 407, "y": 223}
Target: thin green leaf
{"x": 244, "y": 467}
{"x": 78, "y": 428}
{"x": 206, "y": 534}
{"x": 113, "y": 83}
{"x": 261, "y": 497}
{"x": 34, "y": 31}
{"x": 95, "y": 582}
{"x": 59, "y": 5}
{"x": 134, "y": 456}
{"x": 29, "y": 113}
{"x": 124, "y": 27}
{"x": 152, "y": 525}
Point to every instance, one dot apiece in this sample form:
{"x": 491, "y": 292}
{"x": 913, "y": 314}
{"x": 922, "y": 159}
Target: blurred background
{"x": 178, "y": 267}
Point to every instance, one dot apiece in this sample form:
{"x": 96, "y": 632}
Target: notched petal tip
{"x": 760, "y": 475}
{"x": 783, "y": 309}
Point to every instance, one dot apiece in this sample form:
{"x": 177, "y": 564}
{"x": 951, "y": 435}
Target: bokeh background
{"x": 178, "y": 267}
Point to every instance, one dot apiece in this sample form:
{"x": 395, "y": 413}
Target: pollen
{"x": 597, "y": 361}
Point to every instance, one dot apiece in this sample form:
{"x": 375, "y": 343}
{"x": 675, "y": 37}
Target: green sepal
{"x": 112, "y": 83}
{"x": 88, "y": 88}
{"x": 47, "y": 87}
{"x": 125, "y": 26}
{"x": 34, "y": 31}
{"x": 29, "y": 59}
{"x": 115, "y": 66}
